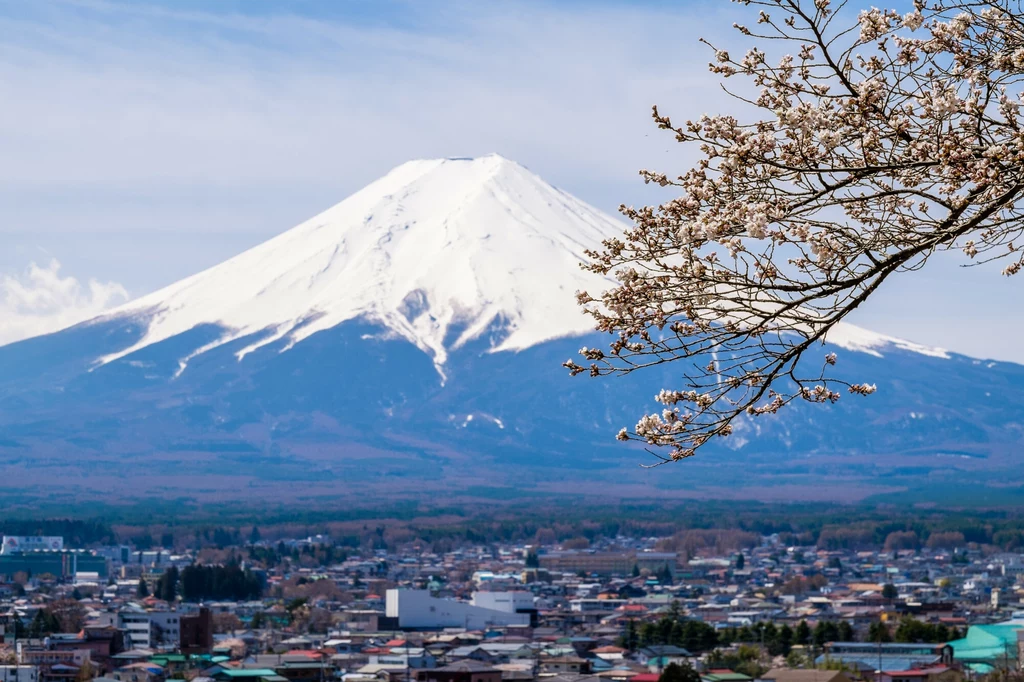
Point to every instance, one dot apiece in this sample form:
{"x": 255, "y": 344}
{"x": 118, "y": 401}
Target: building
{"x": 609, "y": 563}
{"x": 19, "y": 673}
{"x": 61, "y": 564}
{"x": 987, "y": 647}
{"x": 463, "y": 671}
{"x": 196, "y": 632}
{"x": 102, "y": 642}
{"x": 151, "y": 629}
{"x": 417, "y": 609}
{"x": 889, "y": 657}
{"x": 791, "y": 675}
{"x": 13, "y": 544}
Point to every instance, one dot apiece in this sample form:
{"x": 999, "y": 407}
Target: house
{"x": 565, "y": 664}
{"x": 661, "y": 655}
{"x": 247, "y": 675}
{"x": 462, "y": 671}
{"x": 791, "y": 675}
{"x": 146, "y": 671}
{"x": 724, "y": 676}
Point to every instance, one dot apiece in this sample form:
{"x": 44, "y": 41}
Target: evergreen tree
{"x": 142, "y": 591}
{"x": 636, "y": 570}
{"x": 254, "y": 536}
{"x": 803, "y": 633}
{"x": 740, "y": 561}
{"x": 167, "y": 585}
{"x": 76, "y": 595}
{"x": 631, "y": 639}
{"x": 664, "y": 575}
{"x": 785, "y": 640}
{"x": 679, "y": 672}
{"x": 846, "y": 633}
{"x": 878, "y": 632}
{"x": 889, "y": 591}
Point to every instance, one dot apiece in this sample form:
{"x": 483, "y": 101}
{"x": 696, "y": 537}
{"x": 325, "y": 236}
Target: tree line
{"x": 230, "y": 582}
{"x": 698, "y": 637}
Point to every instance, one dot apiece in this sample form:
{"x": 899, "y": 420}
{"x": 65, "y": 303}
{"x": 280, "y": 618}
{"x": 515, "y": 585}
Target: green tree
{"x": 142, "y": 591}
{"x": 803, "y": 633}
{"x": 825, "y": 631}
{"x": 44, "y": 623}
{"x": 784, "y": 641}
{"x": 167, "y": 585}
{"x": 878, "y": 632}
{"x": 254, "y": 536}
{"x": 664, "y": 575}
{"x": 740, "y": 561}
{"x": 679, "y": 672}
{"x": 846, "y": 633}
{"x": 889, "y": 591}
{"x": 631, "y": 638}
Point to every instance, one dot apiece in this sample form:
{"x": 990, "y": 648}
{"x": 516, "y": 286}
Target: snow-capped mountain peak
{"x": 437, "y": 251}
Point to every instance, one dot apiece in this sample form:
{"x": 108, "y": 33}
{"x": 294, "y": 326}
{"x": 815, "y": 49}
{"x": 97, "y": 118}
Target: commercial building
{"x": 151, "y": 629}
{"x": 609, "y": 563}
{"x": 13, "y": 544}
{"x": 417, "y": 609}
{"x": 61, "y": 564}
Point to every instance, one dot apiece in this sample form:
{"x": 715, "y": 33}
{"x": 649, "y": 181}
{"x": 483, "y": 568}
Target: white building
{"x": 13, "y": 544}
{"x": 19, "y": 673}
{"x": 417, "y": 609}
{"x": 151, "y": 629}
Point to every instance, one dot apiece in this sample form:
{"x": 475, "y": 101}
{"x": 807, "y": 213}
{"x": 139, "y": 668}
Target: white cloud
{"x": 41, "y": 301}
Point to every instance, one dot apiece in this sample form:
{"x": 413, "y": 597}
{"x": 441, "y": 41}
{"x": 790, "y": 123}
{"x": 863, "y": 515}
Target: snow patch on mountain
{"x": 858, "y": 339}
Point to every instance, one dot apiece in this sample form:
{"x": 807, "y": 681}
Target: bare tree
{"x": 69, "y": 614}
{"x": 876, "y": 144}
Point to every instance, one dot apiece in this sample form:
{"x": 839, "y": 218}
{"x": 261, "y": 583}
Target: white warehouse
{"x": 417, "y": 609}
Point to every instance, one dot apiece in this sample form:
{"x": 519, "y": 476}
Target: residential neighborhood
{"x": 620, "y": 609}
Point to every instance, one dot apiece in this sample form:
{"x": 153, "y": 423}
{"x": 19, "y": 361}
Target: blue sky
{"x": 144, "y": 141}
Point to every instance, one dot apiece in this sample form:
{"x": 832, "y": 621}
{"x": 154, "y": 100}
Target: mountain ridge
{"x": 412, "y": 337}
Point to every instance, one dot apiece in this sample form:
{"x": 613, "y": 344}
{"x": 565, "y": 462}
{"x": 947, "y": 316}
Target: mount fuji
{"x": 408, "y": 341}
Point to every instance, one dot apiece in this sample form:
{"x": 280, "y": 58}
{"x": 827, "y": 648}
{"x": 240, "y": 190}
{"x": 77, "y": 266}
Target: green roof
{"x": 725, "y": 677}
{"x": 986, "y": 643}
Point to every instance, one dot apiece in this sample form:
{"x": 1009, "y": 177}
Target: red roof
{"x": 396, "y": 642}
{"x": 645, "y": 677}
{"x": 303, "y": 652}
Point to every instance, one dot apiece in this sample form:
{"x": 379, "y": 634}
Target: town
{"x": 609, "y": 608}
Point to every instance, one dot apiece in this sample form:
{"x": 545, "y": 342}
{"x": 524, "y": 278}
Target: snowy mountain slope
{"x": 315, "y": 357}
{"x": 437, "y": 251}
{"x": 433, "y": 249}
